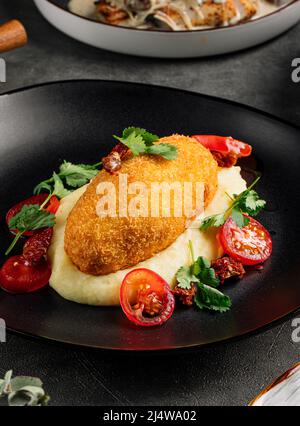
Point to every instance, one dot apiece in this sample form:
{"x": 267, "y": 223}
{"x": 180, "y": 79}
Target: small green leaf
{"x": 210, "y": 298}
{"x": 204, "y": 272}
{"x": 165, "y": 150}
{"x": 213, "y": 221}
{"x": 59, "y": 190}
{"x": 149, "y": 138}
{"x": 77, "y": 175}
{"x": 31, "y": 218}
{"x": 251, "y": 203}
{"x": 238, "y": 217}
{"x": 43, "y": 186}
{"x": 134, "y": 142}
{"x": 247, "y": 202}
{"x": 208, "y": 276}
{"x": 139, "y": 141}
{"x": 129, "y": 130}
{"x": 203, "y": 262}
{"x": 185, "y": 277}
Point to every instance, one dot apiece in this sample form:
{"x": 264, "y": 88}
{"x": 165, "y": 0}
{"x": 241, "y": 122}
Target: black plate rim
{"x": 157, "y": 86}
{"x": 195, "y": 346}
{"x": 188, "y": 348}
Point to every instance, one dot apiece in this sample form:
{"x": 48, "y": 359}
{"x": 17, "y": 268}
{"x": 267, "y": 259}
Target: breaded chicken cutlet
{"x": 101, "y": 245}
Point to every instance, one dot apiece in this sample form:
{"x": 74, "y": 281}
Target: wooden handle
{"x": 12, "y": 36}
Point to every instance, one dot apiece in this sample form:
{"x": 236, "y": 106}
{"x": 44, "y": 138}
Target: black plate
{"x": 75, "y": 120}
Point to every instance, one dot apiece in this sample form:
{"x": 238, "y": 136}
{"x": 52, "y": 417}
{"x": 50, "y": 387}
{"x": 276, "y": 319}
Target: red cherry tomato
{"x": 19, "y": 276}
{"x": 51, "y": 207}
{"x": 146, "y": 298}
{"x": 224, "y": 145}
{"x": 250, "y": 245}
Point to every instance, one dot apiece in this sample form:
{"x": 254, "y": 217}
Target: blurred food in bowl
{"x": 172, "y": 15}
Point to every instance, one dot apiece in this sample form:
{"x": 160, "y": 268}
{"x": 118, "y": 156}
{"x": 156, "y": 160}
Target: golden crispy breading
{"x": 100, "y": 245}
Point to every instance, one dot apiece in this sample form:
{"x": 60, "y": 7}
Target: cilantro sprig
{"x": 30, "y": 218}
{"x": 200, "y": 274}
{"x": 74, "y": 175}
{"x": 247, "y": 202}
{"x": 139, "y": 141}
{"x": 212, "y": 299}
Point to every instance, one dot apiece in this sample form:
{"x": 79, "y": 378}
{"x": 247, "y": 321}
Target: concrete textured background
{"x": 229, "y": 374}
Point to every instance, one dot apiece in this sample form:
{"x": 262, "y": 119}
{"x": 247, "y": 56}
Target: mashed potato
{"x": 103, "y": 290}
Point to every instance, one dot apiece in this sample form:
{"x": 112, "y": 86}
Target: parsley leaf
{"x": 134, "y": 142}
{"x": 239, "y": 218}
{"x": 200, "y": 264}
{"x": 43, "y": 186}
{"x": 149, "y": 138}
{"x": 210, "y": 298}
{"x": 139, "y": 141}
{"x": 165, "y": 150}
{"x": 31, "y": 218}
{"x": 199, "y": 271}
{"x": 77, "y": 175}
{"x": 247, "y": 202}
{"x": 250, "y": 203}
{"x": 201, "y": 274}
{"x": 59, "y": 190}
{"x": 185, "y": 277}
{"x": 214, "y": 221}
{"x": 205, "y": 274}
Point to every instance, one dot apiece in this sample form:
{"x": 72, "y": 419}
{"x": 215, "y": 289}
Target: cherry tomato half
{"x": 146, "y": 298}
{"x": 224, "y": 145}
{"x": 51, "y": 207}
{"x": 19, "y": 276}
{"x": 250, "y": 245}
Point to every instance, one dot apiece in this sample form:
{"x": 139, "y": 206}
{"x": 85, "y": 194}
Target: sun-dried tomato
{"x": 113, "y": 162}
{"x": 226, "y": 267}
{"x": 186, "y": 296}
{"x": 37, "y": 246}
{"x": 225, "y": 160}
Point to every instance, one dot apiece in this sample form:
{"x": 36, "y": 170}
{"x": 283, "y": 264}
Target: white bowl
{"x": 167, "y": 44}
{"x": 285, "y": 391}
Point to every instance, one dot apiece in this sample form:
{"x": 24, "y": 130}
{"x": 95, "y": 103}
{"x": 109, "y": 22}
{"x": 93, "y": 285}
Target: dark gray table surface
{"x": 228, "y": 374}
